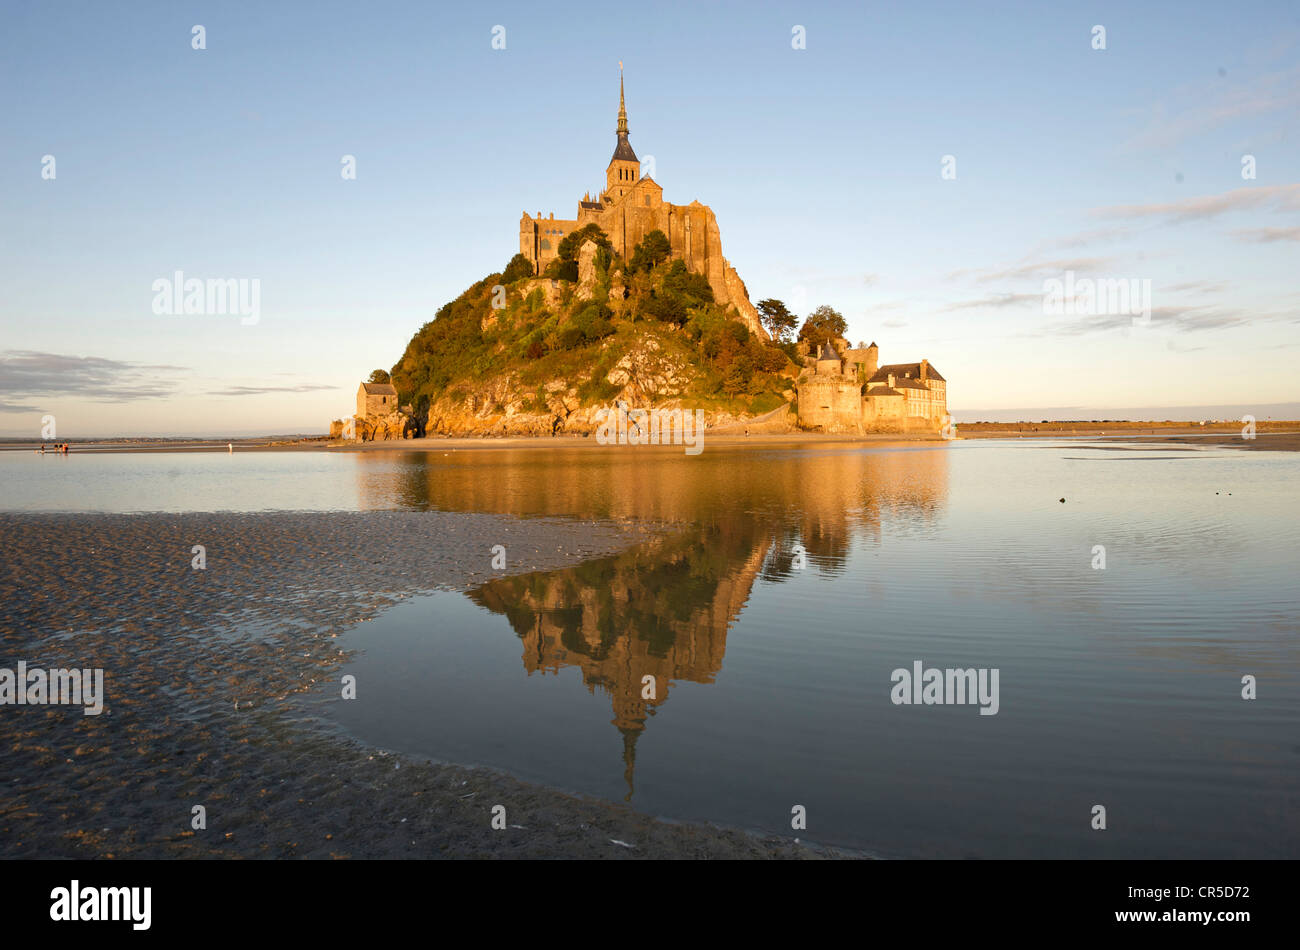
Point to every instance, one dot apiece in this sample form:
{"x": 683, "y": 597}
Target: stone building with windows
{"x": 630, "y": 206}
{"x": 376, "y": 399}
{"x": 844, "y": 389}
{"x": 378, "y": 418}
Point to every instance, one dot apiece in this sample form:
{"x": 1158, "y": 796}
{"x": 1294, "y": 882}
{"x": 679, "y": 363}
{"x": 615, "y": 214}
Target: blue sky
{"x": 822, "y": 164}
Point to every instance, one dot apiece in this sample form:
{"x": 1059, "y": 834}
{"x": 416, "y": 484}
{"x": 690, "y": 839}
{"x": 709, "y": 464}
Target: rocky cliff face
{"x": 547, "y": 361}
{"x": 395, "y": 425}
{"x": 728, "y": 288}
{"x": 738, "y": 297}
{"x": 586, "y": 270}
{"x": 647, "y": 376}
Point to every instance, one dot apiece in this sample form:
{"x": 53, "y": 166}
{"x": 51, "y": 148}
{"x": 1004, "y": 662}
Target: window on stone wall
{"x": 546, "y": 245}
{"x": 647, "y": 201}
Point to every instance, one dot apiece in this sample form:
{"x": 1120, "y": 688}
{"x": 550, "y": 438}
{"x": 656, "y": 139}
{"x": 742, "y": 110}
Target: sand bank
{"x": 207, "y": 672}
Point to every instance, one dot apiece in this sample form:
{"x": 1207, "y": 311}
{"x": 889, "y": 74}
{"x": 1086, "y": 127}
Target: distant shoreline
{"x": 1273, "y": 435}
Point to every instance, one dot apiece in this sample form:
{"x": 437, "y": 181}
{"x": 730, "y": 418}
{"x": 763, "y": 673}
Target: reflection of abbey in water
{"x": 664, "y": 609}
{"x": 661, "y": 610}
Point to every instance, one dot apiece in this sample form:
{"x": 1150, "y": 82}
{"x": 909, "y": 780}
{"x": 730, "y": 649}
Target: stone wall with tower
{"x": 844, "y": 390}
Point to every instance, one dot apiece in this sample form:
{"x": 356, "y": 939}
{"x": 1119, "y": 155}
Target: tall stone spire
{"x": 623, "y": 149}
{"x": 622, "y": 106}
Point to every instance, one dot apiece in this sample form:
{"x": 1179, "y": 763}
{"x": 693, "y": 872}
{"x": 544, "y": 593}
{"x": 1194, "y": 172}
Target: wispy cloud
{"x": 1032, "y": 268}
{"x": 996, "y": 300}
{"x": 1203, "y": 106}
{"x": 31, "y": 373}
{"x": 1188, "y": 319}
{"x": 261, "y": 390}
{"x": 1267, "y": 235}
{"x": 1263, "y": 198}
{"x": 1198, "y": 287}
{"x": 1082, "y": 239}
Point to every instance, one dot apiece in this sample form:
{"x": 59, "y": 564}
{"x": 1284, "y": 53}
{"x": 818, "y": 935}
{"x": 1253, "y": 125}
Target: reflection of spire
{"x": 629, "y": 760}
{"x": 629, "y": 718}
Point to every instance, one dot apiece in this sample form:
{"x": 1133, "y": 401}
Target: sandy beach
{"x": 207, "y": 674}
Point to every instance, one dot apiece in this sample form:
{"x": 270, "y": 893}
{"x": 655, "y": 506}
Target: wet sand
{"x": 1217, "y": 433}
{"x": 1263, "y": 441}
{"x": 207, "y": 674}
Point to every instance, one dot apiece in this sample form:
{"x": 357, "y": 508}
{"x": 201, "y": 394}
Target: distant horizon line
{"x": 1153, "y": 414}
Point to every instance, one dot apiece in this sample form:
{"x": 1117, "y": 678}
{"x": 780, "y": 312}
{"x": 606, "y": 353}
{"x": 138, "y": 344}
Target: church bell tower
{"x": 624, "y": 168}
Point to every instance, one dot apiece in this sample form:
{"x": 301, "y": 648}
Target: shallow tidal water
{"x": 772, "y": 611}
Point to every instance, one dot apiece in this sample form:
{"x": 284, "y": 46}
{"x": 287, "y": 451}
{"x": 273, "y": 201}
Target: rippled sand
{"x": 204, "y": 673}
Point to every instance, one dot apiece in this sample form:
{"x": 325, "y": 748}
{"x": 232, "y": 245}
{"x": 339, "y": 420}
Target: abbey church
{"x": 840, "y": 388}
{"x": 631, "y": 206}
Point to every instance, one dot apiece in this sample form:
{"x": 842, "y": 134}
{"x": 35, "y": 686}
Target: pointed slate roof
{"x": 623, "y": 150}
{"x": 905, "y": 371}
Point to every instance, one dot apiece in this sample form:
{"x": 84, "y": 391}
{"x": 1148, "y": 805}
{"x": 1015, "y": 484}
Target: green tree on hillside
{"x": 573, "y": 241}
{"x": 653, "y": 249}
{"x": 378, "y": 376}
{"x": 823, "y": 324}
{"x": 679, "y": 280}
{"x": 560, "y": 269}
{"x": 777, "y": 318}
{"x": 518, "y": 268}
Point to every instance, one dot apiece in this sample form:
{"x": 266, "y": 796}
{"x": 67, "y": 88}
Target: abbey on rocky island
{"x": 631, "y": 206}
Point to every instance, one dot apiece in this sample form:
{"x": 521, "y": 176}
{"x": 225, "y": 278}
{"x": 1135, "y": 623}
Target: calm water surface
{"x": 1119, "y": 687}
